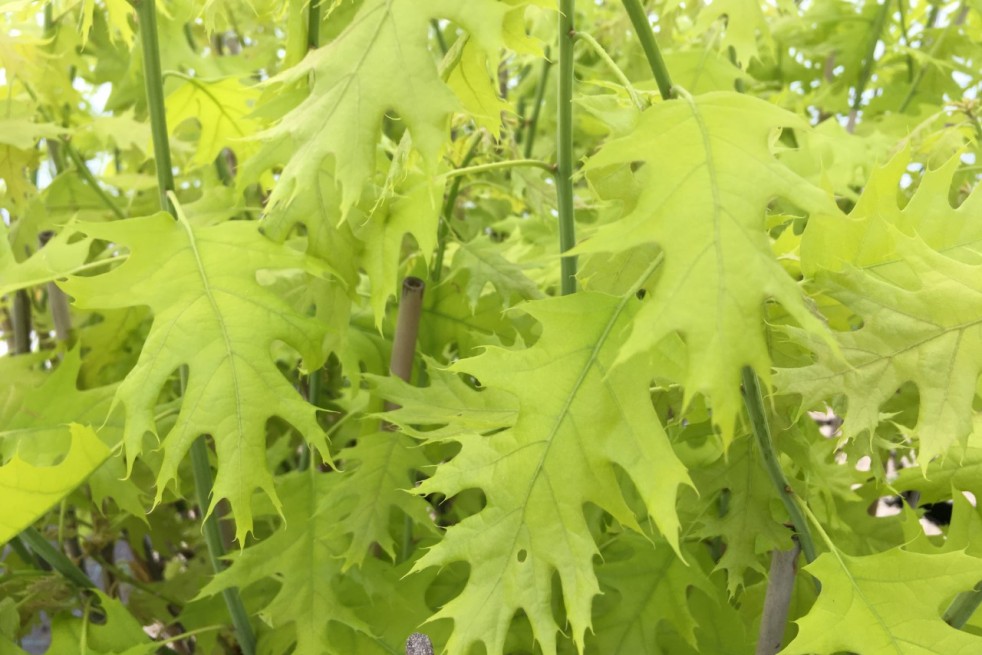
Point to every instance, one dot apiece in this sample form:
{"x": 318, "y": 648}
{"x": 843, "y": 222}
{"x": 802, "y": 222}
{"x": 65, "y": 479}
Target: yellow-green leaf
{"x": 30, "y": 491}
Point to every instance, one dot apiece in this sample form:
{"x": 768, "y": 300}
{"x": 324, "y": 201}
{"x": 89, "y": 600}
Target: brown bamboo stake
{"x": 401, "y": 366}
{"x": 407, "y": 329}
{"x": 61, "y": 317}
{"x": 780, "y": 585}
{"x": 22, "y": 322}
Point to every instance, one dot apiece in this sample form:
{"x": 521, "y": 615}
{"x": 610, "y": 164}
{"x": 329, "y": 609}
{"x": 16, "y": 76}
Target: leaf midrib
{"x": 219, "y": 319}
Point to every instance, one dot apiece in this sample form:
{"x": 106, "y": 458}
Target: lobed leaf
{"x": 30, "y": 491}
{"x": 887, "y": 604}
{"x": 704, "y": 205}
{"x": 912, "y": 276}
{"x": 213, "y": 316}
{"x": 380, "y": 63}
{"x": 580, "y": 421}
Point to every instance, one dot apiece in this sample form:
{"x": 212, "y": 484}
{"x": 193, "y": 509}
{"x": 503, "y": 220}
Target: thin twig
{"x": 754, "y": 401}
{"x": 446, "y": 215}
{"x": 612, "y": 65}
{"x": 540, "y": 94}
{"x": 499, "y": 165}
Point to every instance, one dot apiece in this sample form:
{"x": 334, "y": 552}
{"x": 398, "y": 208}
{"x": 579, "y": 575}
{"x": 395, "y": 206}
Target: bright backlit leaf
{"x": 30, "y": 491}
{"x": 211, "y": 315}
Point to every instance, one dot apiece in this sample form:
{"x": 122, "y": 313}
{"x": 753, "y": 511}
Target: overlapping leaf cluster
{"x": 561, "y": 473}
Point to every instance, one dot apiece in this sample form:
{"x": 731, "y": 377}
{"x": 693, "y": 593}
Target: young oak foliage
{"x": 705, "y": 208}
{"x": 913, "y": 276}
{"x": 213, "y": 316}
{"x": 580, "y": 420}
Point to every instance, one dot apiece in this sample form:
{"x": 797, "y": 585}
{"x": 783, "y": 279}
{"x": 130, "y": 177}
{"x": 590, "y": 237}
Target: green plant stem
{"x": 57, "y": 559}
{"x": 314, "y": 25}
{"x": 540, "y": 94}
{"x": 147, "y": 16}
{"x": 499, "y": 165}
{"x": 647, "y": 38}
{"x": 866, "y": 72}
{"x": 614, "y": 68}
{"x": 439, "y": 36}
{"x": 50, "y": 35}
{"x": 564, "y": 147}
{"x": 963, "y": 607}
{"x": 446, "y": 215}
{"x": 912, "y": 91}
{"x": 213, "y": 539}
{"x": 754, "y": 401}
{"x": 89, "y": 178}
{"x": 63, "y": 145}
{"x": 313, "y": 395}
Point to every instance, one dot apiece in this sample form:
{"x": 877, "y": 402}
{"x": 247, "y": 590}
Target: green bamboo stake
{"x": 647, "y": 38}
{"x": 754, "y": 401}
{"x": 147, "y": 17}
{"x": 564, "y": 147}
